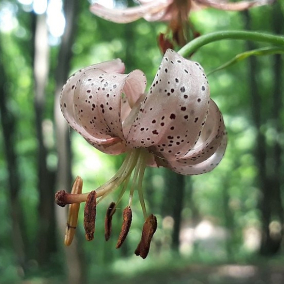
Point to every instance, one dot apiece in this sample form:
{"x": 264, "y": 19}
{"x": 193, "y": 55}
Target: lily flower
{"x": 175, "y": 125}
{"x": 175, "y": 12}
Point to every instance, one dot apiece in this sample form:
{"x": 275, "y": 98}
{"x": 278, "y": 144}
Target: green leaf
{"x": 244, "y": 55}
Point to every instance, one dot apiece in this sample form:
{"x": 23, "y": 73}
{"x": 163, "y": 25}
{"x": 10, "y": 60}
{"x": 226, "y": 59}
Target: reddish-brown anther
{"x": 149, "y": 228}
{"x": 110, "y": 211}
{"x": 127, "y": 219}
{"x": 60, "y": 198}
{"x": 90, "y": 215}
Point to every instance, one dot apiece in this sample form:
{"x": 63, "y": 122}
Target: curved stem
{"x": 195, "y": 44}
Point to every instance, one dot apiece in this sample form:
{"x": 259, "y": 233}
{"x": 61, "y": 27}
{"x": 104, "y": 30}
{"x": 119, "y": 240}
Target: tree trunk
{"x": 173, "y": 202}
{"x": 269, "y": 165}
{"x": 177, "y": 209}
{"x": 74, "y": 256}
{"x": 8, "y": 124}
{"x": 46, "y": 223}
{"x": 228, "y": 219}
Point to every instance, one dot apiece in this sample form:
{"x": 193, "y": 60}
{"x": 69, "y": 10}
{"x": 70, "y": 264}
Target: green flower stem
{"x": 195, "y": 44}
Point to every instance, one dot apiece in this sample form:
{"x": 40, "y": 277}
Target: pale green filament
{"x": 134, "y": 183}
{"x": 135, "y": 159}
{"x": 142, "y": 167}
{"x": 124, "y": 187}
{"x": 121, "y": 175}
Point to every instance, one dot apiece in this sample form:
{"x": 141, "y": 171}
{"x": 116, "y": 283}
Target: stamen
{"x": 137, "y": 159}
{"x": 127, "y": 219}
{"x": 124, "y": 187}
{"x": 122, "y": 174}
{"x": 142, "y": 166}
{"x": 149, "y": 228}
{"x": 90, "y": 215}
{"x": 110, "y": 211}
{"x": 62, "y": 197}
{"x": 73, "y": 213}
{"x": 133, "y": 184}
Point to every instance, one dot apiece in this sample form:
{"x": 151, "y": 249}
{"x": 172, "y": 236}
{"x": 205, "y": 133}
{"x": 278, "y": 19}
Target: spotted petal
{"x": 210, "y": 138}
{"x": 200, "y": 168}
{"x": 91, "y": 103}
{"x": 172, "y": 115}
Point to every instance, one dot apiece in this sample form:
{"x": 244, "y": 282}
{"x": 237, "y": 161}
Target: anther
{"x": 127, "y": 219}
{"x": 60, "y": 198}
{"x": 73, "y": 212}
{"x": 110, "y": 211}
{"x": 149, "y": 228}
{"x": 90, "y": 215}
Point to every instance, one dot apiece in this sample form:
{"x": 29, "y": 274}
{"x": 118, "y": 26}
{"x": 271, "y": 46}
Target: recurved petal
{"x": 97, "y": 103}
{"x": 130, "y": 14}
{"x": 111, "y": 66}
{"x": 210, "y": 138}
{"x": 172, "y": 115}
{"x": 134, "y": 88}
{"x": 107, "y": 144}
{"x": 91, "y": 103}
{"x": 200, "y": 168}
{"x": 67, "y": 93}
{"x": 235, "y": 6}
{"x": 98, "y": 99}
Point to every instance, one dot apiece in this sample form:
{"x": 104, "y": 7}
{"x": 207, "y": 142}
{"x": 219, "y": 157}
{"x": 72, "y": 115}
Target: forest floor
{"x": 190, "y": 274}
{"x": 221, "y": 274}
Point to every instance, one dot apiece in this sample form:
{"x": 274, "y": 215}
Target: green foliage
{"x": 228, "y": 197}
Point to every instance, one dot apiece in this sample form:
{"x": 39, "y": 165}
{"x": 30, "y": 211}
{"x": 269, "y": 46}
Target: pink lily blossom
{"x": 166, "y": 10}
{"x": 175, "y": 12}
{"x": 176, "y": 122}
{"x": 175, "y": 125}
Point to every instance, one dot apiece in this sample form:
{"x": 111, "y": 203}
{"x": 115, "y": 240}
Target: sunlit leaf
{"x": 256, "y": 52}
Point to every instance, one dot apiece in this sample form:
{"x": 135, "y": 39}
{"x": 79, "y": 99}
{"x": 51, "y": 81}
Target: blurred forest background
{"x": 222, "y": 227}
